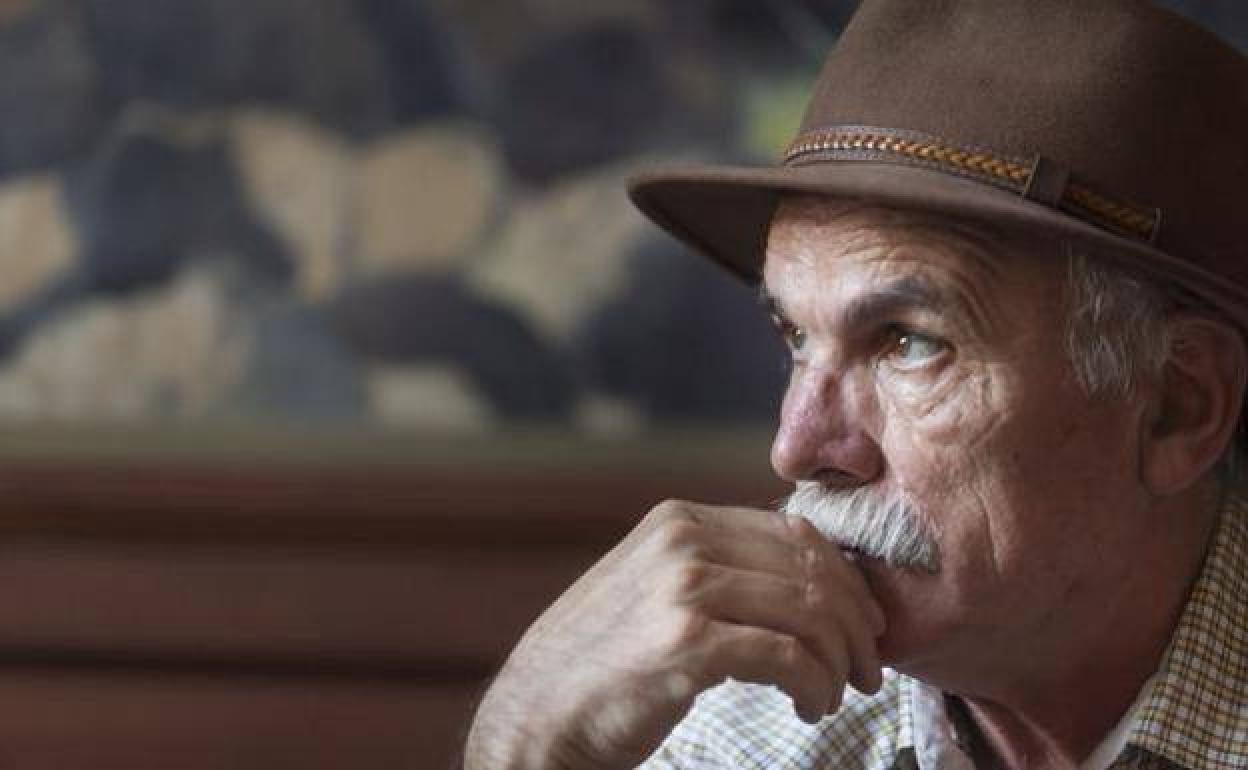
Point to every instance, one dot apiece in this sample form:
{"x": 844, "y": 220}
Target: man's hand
{"x": 693, "y": 595}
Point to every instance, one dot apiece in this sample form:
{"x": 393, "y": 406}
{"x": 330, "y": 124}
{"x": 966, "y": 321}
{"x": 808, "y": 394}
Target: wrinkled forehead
{"x": 810, "y": 227}
{"x": 827, "y": 257}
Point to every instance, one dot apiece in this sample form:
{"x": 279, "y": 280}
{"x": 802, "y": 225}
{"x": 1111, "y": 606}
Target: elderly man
{"x": 1005, "y": 254}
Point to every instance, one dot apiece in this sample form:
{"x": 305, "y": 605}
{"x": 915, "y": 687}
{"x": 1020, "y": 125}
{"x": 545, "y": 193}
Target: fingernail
{"x": 877, "y": 681}
{"x": 835, "y": 704}
{"x": 809, "y": 716}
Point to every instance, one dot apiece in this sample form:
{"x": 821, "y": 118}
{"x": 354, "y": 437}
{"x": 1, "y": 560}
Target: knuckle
{"x": 677, "y": 535}
{"x": 804, "y": 533}
{"x": 814, "y": 562}
{"x": 690, "y": 578}
{"x": 728, "y": 648}
{"x": 670, "y": 509}
{"x": 815, "y": 599}
{"x": 676, "y": 529}
{"x": 789, "y": 652}
{"x": 684, "y": 630}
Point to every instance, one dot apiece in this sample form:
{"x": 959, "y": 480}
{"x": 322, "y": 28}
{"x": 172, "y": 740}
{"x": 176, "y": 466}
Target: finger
{"x": 820, "y": 615}
{"x": 762, "y": 656}
{"x": 822, "y": 554}
{"x": 865, "y": 671}
{"x": 774, "y": 542}
{"x": 752, "y": 539}
{"x": 677, "y": 525}
{"x": 674, "y": 523}
{"x": 776, "y": 553}
{"x": 792, "y": 549}
{"x": 861, "y": 623}
{"x": 827, "y": 601}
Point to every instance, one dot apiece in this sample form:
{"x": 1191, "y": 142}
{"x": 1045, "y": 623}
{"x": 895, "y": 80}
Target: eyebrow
{"x": 769, "y": 302}
{"x": 908, "y": 293}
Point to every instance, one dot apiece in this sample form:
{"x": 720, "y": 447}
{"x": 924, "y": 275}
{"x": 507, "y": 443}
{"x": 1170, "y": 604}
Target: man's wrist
{"x": 509, "y": 738}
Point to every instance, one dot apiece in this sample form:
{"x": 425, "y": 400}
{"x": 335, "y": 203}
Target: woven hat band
{"x": 1037, "y": 179}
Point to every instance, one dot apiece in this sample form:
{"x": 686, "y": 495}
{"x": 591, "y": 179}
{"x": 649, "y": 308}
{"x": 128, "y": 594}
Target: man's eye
{"x": 794, "y": 336}
{"x": 914, "y": 349}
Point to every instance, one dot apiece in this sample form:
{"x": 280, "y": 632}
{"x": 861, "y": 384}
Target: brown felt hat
{"x": 1110, "y": 123}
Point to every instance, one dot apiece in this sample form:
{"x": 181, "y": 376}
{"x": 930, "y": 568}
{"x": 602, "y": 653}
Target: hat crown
{"x": 1135, "y": 98}
{"x": 1114, "y": 125}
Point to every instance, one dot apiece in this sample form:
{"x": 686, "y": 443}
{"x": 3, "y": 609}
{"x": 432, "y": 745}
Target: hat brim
{"x": 724, "y": 212}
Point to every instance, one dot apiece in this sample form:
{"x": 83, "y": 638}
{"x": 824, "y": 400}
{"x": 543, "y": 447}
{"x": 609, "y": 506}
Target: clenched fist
{"x": 695, "y": 594}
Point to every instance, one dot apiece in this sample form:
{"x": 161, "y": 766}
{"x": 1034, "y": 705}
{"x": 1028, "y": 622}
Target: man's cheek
{"x": 965, "y": 409}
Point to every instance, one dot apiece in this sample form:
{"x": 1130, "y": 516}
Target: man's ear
{"x": 1197, "y": 404}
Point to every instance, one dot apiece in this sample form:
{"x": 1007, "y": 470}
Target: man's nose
{"x": 823, "y": 432}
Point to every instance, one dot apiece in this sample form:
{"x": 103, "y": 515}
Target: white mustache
{"x": 886, "y": 527}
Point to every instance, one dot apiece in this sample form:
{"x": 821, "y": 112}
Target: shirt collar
{"x": 1197, "y": 713}
{"x": 928, "y": 728}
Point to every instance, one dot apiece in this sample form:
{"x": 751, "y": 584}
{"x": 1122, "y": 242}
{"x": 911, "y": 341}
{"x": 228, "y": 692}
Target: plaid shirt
{"x": 1195, "y": 717}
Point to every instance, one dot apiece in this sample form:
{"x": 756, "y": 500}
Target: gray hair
{"x": 1118, "y": 335}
